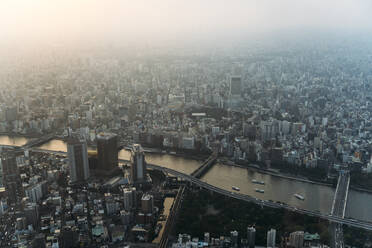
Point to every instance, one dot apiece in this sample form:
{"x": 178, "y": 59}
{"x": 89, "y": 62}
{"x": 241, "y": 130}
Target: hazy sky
{"x": 69, "y": 20}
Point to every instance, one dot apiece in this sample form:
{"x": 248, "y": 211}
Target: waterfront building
{"x": 138, "y": 169}
{"x": 107, "y": 151}
{"x": 78, "y": 159}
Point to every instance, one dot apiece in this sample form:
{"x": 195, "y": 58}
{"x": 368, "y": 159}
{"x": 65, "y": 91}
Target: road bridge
{"x": 199, "y": 172}
{"x": 39, "y": 141}
{"x": 339, "y": 208}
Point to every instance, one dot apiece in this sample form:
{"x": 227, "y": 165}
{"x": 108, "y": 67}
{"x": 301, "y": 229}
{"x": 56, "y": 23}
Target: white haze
{"x": 141, "y": 21}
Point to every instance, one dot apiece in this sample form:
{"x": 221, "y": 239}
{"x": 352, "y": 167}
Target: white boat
{"x": 259, "y": 190}
{"x": 258, "y": 182}
{"x": 235, "y": 188}
{"x": 300, "y": 197}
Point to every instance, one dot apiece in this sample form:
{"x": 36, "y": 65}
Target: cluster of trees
{"x": 229, "y": 214}
{"x": 360, "y": 180}
{"x": 315, "y": 174}
{"x": 357, "y": 237}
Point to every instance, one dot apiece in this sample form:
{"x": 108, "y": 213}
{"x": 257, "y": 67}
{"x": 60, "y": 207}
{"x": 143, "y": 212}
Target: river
{"x": 12, "y": 140}
{"x": 317, "y": 197}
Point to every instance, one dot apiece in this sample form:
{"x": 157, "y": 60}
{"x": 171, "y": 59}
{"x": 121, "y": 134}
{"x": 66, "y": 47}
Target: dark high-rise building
{"x": 78, "y": 159}
{"x": 235, "y": 85}
{"x": 39, "y": 241}
{"x": 147, "y": 203}
{"x": 251, "y": 237}
{"x": 11, "y": 114}
{"x": 107, "y": 151}
{"x": 31, "y": 212}
{"x": 9, "y": 176}
{"x": 138, "y": 173}
{"x": 69, "y": 237}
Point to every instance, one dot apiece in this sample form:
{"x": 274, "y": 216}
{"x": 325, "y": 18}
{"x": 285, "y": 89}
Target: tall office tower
{"x": 31, "y": 212}
{"x": 10, "y": 178}
{"x": 107, "y": 151}
{"x": 251, "y": 237}
{"x": 138, "y": 173}
{"x": 78, "y": 159}
{"x": 235, "y": 86}
{"x": 296, "y": 239}
{"x": 129, "y": 198}
{"x": 147, "y": 203}
{"x": 271, "y": 236}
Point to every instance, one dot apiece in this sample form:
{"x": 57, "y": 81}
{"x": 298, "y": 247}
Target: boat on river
{"x": 258, "y": 182}
{"x": 300, "y": 197}
{"x": 235, "y": 188}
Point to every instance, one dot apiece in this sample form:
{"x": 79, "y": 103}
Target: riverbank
{"x": 18, "y": 135}
{"x": 200, "y": 158}
{"x": 360, "y": 189}
{"x": 289, "y": 176}
{"x": 274, "y": 173}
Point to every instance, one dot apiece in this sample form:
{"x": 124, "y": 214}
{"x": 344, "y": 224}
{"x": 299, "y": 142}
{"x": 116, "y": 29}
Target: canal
{"x": 317, "y": 197}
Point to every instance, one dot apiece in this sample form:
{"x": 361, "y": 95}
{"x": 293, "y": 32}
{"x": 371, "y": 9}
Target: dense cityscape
{"x": 235, "y": 140}
{"x": 278, "y": 114}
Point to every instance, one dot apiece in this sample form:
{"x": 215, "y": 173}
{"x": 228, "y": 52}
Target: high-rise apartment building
{"x": 77, "y": 153}
{"x": 107, "y": 151}
{"x": 138, "y": 173}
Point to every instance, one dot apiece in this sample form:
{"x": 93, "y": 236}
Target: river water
{"x": 317, "y": 197}
{"x": 12, "y": 141}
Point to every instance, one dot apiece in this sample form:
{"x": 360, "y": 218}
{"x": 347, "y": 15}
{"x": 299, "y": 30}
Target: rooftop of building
{"x": 146, "y": 197}
{"x": 106, "y": 135}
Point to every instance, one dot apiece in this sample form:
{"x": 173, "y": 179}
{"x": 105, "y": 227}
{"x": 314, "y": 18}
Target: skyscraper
{"x": 147, "y": 203}
{"x": 138, "y": 173}
{"x": 271, "y": 236}
{"x": 107, "y": 151}
{"x": 9, "y": 176}
{"x": 78, "y": 159}
{"x": 129, "y": 198}
{"x": 251, "y": 237}
{"x": 235, "y": 86}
